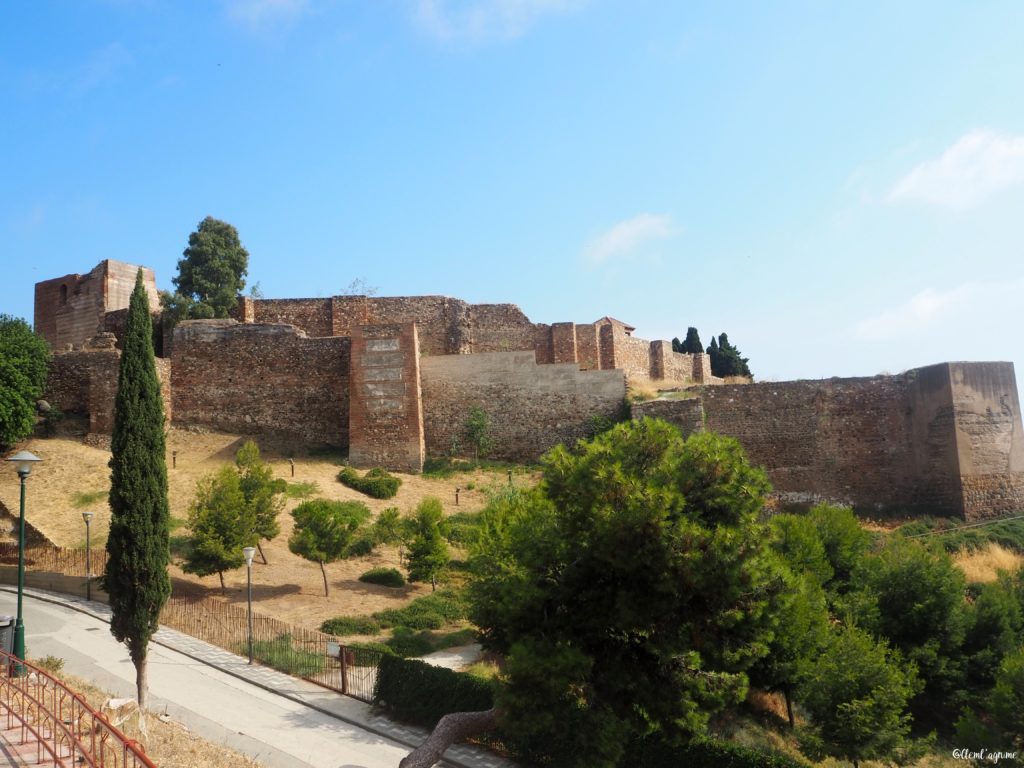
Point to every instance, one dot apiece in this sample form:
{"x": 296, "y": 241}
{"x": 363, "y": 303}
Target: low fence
{"x": 298, "y": 651}
{"x": 59, "y": 723}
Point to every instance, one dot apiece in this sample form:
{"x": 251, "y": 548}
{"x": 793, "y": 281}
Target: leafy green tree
{"x": 428, "y": 548}
{"x": 24, "y": 361}
{"x": 914, "y": 595}
{"x": 211, "y": 273}
{"x": 324, "y": 529}
{"x": 138, "y": 545}
{"x": 844, "y": 540}
{"x": 796, "y": 539}
{"x": 478, "y": 432}
{"x": 995, "y": 628}
{"x": 692, "y": 344}
{"x": 262, "y": 491}
{"x": 222, "y": 524}
{"x": 630, "y": 592}
{"x": 856, "y": 691}
{"x": 1008, "y": 698}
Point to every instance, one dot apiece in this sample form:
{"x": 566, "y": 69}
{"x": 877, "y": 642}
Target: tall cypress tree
{"x": 692, "y": 344}
{"x": 138, "y": 547}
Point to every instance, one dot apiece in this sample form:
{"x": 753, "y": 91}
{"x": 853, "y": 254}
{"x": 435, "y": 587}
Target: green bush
{"x": 377, "y": 482}
{"x": 654, "y": 752}
{"x": 368, "y": 654}
{"x": 463, "y": 528}
{"x": 417, "y": 693}
{"x": 407, "y": 642}
{"x": 362, "y": 545}
{"x": 284, "y": 657}
{"x": 429, "y": 612}
{"x": 350, "y": 625}
{"x": 385, "y": 577}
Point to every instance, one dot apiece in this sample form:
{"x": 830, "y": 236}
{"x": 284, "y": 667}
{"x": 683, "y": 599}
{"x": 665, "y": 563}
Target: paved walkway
{"x": 279, "y": 720}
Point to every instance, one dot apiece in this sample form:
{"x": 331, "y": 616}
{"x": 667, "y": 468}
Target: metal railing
{"x": 59, "y": 722}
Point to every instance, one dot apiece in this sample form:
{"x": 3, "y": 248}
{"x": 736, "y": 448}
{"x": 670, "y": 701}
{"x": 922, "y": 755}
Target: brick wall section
{"x": 85, "y": 382}
{"x": 70, "y": 309}
{"x": 928, "y": 441}
{"x": 632, "y": 355}
{"x": 990, "y": 440}
{"x": 588, "y": 347}
{"x": 531, "y": 407}
{"x": 270, "y": 380}
{"x": 500, "y": 328}
{"x": 386, "y": 407}
{"x": 686, "y": 414}
{"x": 563, "y": 342}
{"x": 311, "y": 315}
{"x": 702, "y": 369}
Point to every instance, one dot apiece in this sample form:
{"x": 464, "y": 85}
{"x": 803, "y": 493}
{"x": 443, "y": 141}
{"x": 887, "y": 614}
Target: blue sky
{"x": 838, "y": 186}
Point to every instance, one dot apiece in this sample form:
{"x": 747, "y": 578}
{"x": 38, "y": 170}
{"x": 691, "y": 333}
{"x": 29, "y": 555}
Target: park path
{"x": 279, "y": 720}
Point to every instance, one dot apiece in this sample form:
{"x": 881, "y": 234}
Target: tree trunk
{"x": 140, "y": 682}
{"x": 789, "y": 705}
{"x": 433, "y": 583}
{"x": 259, "y": 548}
{"x": 221, "y": 574}
{"x": 324, "y": 572}
{"x": 449, "y": 729}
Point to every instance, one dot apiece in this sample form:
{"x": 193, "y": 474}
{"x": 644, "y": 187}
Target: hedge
{"x": 377, "y": 482}
{"x": 385, "y": 577}
{"x": 418, "y": 693}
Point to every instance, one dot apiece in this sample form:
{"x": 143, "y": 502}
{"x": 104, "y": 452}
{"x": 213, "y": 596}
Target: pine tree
{"x": 222, "y": 523}
{"x": 692, "y": 344}
{"x": 428, "y": 551}
{"x": 138, "y": 543}
{"x": 263, "y": 493}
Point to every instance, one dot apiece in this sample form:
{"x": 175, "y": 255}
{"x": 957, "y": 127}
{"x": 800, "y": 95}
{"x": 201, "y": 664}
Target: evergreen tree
{"x": 324, "y": 529}
{"x": 692, "y": 344}
{"x": 677, "y": 345}
{"x": 211, "y": 273}
{"x": 222, "y": 523}
{"x": 713, "y": 353}
{"x": 262, "y": 493}
{"x": 428, "y": 550}
{"x": 138, "y": 545}
{"x": 729, "y": 360}
{"x": 24, "y": 360}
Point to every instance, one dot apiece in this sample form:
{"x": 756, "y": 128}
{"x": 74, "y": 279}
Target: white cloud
{"x": 979, "y": 165}
{"x": 932, "y": 313}
{"x": 628, "y": 236}
{"x": 256, "y": 14}
{"x": 478, "y": 20}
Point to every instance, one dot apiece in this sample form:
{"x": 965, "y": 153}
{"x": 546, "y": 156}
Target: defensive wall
{"x": 393, "y": 379}
{"x": 946, "y": 439}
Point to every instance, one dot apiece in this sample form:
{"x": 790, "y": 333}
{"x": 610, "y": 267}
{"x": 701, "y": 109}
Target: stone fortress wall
{"x": 393, "y": 379}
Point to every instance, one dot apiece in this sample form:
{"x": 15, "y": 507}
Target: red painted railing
{"x": 59, "y": 723}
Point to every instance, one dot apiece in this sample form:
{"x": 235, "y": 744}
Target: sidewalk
{"x": 399, "y": 739}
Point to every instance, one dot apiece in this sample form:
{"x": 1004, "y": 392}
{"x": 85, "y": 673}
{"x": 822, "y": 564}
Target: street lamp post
{"x": 248, "y": 553}
{"x": 87, "y": 516}
{"x": 24, "y": 461}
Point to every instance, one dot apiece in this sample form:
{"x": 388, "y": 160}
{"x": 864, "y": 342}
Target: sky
{"x": 837, "y": 186}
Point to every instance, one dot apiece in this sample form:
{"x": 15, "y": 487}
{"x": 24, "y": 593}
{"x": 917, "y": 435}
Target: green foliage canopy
{"x": 261, "y": 490}
{"x": 211, "y": 273}
{"x": 324, "y": 529}
{"x": 637, "y": 568}
{"x": 222, "y": 523}
{"x": 138, "y": 545}
{"x": 428, "y": 548}
{"x": 24, "y": 361}
{"x": 857, "y": 691}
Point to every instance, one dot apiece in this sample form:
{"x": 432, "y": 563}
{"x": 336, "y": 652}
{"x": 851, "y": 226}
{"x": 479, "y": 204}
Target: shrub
{"x": 362, "y": 545}
{"x": 377, "y": 483}
{"x": 284, "y": 657}
{"x": 368, "y": 654}
{"x": 655, "y": 752}
{"x": 407, "y": 642}
{"x": 385, "y": 577}
{"x": 429, "y": 612}
{"x": 463, "y": 528}
{"x": 351, "y": 625}
{"x": 417, "y": 693}
{"x": 301, "y": 490}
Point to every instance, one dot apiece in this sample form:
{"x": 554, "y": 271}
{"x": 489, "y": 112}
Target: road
{"x": 219, "y": 707}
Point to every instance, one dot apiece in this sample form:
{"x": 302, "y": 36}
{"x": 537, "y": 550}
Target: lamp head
{"x": 87, "y": 516}
{"x": 247, "y": 553}
{"x": 24, "y": 461}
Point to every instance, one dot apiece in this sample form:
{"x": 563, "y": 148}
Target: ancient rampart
{"x": 945, "y": 439}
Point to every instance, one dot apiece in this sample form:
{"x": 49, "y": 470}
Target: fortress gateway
{"x": 393, "y": 379}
